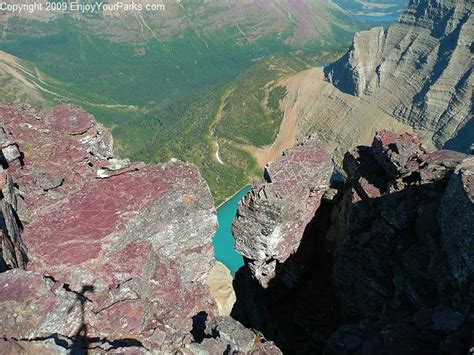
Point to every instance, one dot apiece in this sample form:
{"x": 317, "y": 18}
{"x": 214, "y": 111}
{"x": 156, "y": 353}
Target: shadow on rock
{"x": 385, "y": 267}
{"x": 300, "y": 304}
{"x": 80, "y": 340}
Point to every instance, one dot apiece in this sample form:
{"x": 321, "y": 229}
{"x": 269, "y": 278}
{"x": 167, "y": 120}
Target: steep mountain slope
{"x": 419, "y": 70}
{"x": 417, "y": 74}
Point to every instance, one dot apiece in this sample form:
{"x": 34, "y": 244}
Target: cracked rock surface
{"x": 114, "y": 261}
{"x": 272, "y": 218}
{"x": 385, "y": 264}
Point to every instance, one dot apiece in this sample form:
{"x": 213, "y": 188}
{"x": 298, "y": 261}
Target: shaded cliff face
{"x": 274, "y": 215}
{"x": 107, "y": 244}
{"x": 385, "y": 265}
{"x": 419, "y": 70}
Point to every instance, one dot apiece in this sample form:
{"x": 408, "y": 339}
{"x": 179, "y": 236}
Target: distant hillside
{"x": 292, "y": 21}
{"x": 158, "y": 79}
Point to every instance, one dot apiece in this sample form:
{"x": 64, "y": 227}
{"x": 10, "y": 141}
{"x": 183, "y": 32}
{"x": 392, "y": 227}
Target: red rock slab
{"x": 297, "y": 167}
{"x": 75, "y": 231}
{"x": 70, "y": 120}
{"x": 448, "y": 158}
{"x": 386, "y": 137}
{"x": 20, "y": 347}
{"x": 136, "y": 247}
{"x": 143, "y": 242}
{"x": 30, "y": 307}
{"x": 49, "y": 151}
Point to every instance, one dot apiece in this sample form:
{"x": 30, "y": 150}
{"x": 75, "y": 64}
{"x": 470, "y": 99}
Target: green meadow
{"x": 171, "y": 99}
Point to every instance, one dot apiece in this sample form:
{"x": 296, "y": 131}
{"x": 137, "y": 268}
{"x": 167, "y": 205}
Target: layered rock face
{"x": 385, "y": 265}
{"x": 116, "y": 253}
{"x": 419, "y": 70}
{"x": 414, "y": 77}
{"x": 273, "y": 216}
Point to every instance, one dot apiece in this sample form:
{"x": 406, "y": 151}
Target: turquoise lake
{"x": 224, "y": 243}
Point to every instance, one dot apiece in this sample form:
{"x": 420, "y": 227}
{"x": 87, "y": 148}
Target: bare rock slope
{"x": 97, "y": 252}
{"x": 419, "y": 70}
{"x": 415, "y": 75}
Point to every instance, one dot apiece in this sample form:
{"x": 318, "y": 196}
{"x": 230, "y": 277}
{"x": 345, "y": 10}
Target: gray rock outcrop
{"x": 420, "y": 70}
{"x": 272, "y": 218}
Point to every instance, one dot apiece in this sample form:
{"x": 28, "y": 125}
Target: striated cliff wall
{"x": 419, "y": 70}
{"x": 415, "y": 76}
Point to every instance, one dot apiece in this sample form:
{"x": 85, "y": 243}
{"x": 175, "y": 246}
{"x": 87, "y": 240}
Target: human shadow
{"x": 80, "y": 340}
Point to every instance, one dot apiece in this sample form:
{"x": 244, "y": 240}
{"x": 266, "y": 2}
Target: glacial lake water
{"x": 224, "y": 243}
{"x": 385, "y": 19}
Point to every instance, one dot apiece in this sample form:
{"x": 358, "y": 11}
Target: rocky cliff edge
{"x": 382, "y": 263}
{"x": 102, "y": 253}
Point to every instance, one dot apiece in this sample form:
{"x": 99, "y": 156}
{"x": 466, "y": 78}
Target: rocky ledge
{"x": 101, "y": 253}
{"x": 380, "y": 264}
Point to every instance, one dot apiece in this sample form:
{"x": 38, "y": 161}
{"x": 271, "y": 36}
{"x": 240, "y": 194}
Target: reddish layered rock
{"x": 130, "y": 240}
{"x": 117, "y": 253}
{"x": 59, "y": 151}
{"x": 272, "y": 218}
{"x": 38, "y": 308}
{"x": 114, "y": 260}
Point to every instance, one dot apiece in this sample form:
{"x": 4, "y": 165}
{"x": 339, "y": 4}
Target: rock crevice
{"x": 384, "y": 265}
{"x": 107, "y": 244}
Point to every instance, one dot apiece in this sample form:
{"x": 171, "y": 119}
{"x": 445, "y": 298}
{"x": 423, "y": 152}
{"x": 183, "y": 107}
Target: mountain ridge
{"x": 419, "y": 70}
{"x": 384, "y": 81}
{"x": 300, "y": 21}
